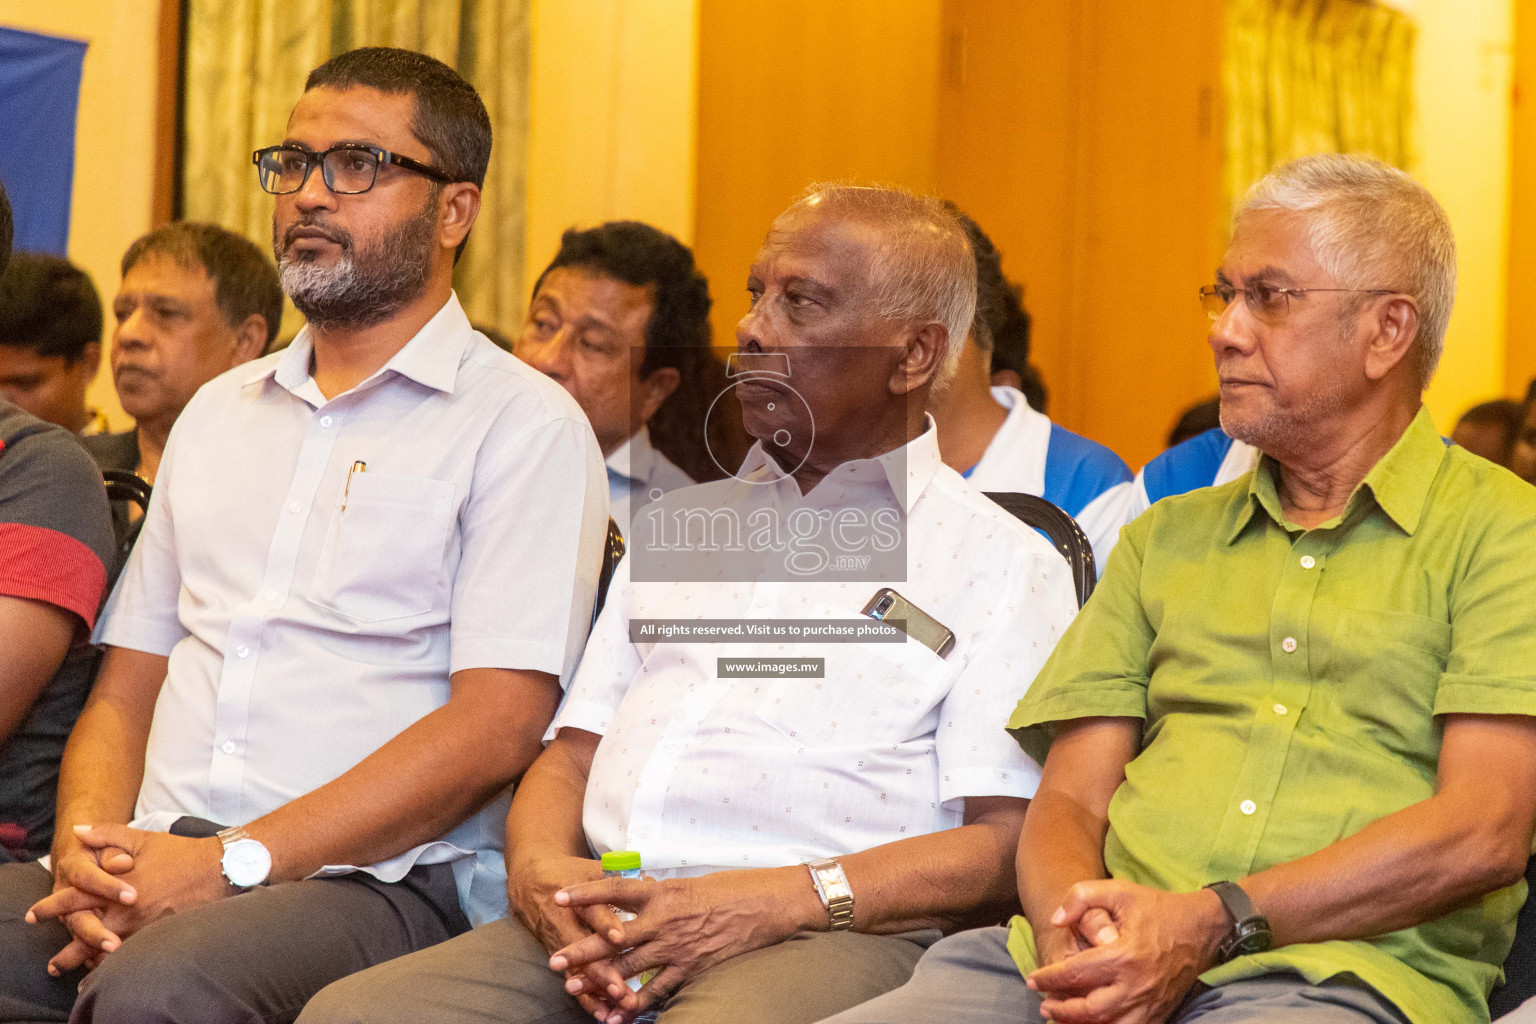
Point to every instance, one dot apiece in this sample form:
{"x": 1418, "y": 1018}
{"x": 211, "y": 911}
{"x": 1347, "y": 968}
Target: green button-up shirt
{"x": 1291, "y": 680}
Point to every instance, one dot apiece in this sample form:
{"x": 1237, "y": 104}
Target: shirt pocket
{"x": 873, "y": 694}
{"x": 384, "y": 552}
{"x": 1383, "y": 675}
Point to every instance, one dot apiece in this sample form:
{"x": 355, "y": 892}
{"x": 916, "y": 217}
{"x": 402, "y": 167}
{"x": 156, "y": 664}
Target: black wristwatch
{"x": 1250, "y": 929}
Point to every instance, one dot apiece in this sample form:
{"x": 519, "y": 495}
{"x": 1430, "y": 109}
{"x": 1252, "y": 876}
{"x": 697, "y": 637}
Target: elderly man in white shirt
{"x": 620, "y": 318}
{"x": 368, "y": 565}
{"x": 888, "y": 774}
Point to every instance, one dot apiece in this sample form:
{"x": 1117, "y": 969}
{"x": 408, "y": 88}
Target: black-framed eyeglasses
{"x": 1267, "y": 302}
{"x": 347, "y": 169}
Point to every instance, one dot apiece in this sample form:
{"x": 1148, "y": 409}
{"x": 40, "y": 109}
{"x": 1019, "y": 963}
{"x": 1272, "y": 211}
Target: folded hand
{"x": 682, "y": 927}
{"x": 1162, "y": 943}
{"x": 122, "y": 878}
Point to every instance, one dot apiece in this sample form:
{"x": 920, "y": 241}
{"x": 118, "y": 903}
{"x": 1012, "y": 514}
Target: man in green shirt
{"x": 1317, "y": 682}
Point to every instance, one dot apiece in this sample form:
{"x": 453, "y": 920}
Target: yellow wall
{"x": 114, "y": 136}
{"x": 1463, "y": 96}
{"x": 612, "y": 102}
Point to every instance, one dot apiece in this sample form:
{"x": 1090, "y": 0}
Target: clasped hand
{"x": 113, "y": 880}
{"x": 681, "y": 928}
{"x": 531, "y": 887}
{"x": 1119, "y": 953}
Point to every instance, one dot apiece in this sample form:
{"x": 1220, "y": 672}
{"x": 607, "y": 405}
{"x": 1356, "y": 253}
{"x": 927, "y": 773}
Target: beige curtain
{"x": 1315, "y": 76}
{"x": 246, "y": 64}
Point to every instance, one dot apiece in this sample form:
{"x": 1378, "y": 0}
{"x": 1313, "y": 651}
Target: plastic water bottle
{"x": 626, "y": 864}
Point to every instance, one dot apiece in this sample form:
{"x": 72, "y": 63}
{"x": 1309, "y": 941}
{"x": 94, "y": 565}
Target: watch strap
{"x": 1239, "y": 907}
{"x": 839, "y": 907}
{"x": 1250, "y": 929}
{"x": 227, "y": 838}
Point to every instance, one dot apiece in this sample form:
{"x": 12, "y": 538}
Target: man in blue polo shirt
{"x": 1205, "y": 460}
{"x": 991, "y": 436}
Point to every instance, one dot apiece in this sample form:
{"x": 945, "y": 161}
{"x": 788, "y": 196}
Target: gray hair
{"x": 925, "y": 272}
{"x": 1373, "y": 226}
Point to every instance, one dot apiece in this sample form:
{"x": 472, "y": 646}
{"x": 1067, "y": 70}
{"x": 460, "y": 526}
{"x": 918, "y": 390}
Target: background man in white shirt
{"x": 891, "y": 772}
{"x": 317, "y": 646}
{"x": 620, "y": 318}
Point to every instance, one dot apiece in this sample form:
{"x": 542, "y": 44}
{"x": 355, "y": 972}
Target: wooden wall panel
{"x": 798, "y": 91}
{"x": 1081, "y": 136}
{"x": 1520, "y": 360}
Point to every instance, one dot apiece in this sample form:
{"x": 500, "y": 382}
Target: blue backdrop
{"x": 39, "y": 94}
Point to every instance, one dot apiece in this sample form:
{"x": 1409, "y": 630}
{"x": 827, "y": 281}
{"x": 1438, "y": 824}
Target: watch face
{"x": 1254, "y": 939}
{"x": 834, "y": 884}
{"x": 246, "y": 863}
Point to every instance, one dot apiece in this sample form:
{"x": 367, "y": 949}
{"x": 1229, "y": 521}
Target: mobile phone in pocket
{"x": 889, "y": 606}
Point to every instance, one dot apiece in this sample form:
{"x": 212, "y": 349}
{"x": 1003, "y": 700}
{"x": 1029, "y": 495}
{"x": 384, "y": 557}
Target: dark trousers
{"x": 255, "y": 958}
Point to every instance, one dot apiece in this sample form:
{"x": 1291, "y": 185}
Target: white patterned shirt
{"x": 311, "y": 612}
{"x": 701, "y": 773}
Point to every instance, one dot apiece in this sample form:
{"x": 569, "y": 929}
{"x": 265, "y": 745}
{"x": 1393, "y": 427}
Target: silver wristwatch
{"x": 247, "y": 862}
{"x": 836, "y": 895}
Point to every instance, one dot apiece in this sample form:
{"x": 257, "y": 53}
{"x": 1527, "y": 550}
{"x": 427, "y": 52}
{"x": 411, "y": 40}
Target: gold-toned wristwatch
{"x": 836, "y": 895}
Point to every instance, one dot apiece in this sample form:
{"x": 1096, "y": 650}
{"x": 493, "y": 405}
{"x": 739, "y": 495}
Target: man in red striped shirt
{"x": 55, "y": 545}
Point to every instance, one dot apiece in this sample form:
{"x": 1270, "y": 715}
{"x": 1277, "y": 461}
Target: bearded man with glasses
{"x": 319, "y": 682}
{"x": 1289, "y": 748}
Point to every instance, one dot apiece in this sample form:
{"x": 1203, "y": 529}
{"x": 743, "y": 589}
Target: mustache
{"x": 340, "y": 236}
{"x": 131, "y": 371}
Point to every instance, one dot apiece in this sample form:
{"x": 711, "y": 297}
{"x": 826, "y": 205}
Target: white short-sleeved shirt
{"x": 312, "y": 611}
{"x": 636, "y": 472}
{"x": 701, "y": 773}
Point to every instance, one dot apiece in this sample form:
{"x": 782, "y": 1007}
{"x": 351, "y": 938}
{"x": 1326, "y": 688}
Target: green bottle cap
{"x": 621, "y": 860}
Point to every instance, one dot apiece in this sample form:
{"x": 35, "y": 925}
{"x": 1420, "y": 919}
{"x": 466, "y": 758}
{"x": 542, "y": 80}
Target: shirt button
{"x": 1288, "y": 645}
{"x": 272, "y": 596}
{"x": 1248, "y": 806}
{"x": 1280, "y": 709}
{"x": 242, "y": 651}
{"x": 325, "y": 421}
{"x": 228, "y": 747}
{"x": 1307, "y": 561}
{"x": 295, "y": 508}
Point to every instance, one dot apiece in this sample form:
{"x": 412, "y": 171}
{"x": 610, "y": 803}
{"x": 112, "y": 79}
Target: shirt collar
{"x": 906, "y": 470}
{"x": 431, "y": 358}
{"x": 1399, "y": 483}
{"x": 635, "y": 458}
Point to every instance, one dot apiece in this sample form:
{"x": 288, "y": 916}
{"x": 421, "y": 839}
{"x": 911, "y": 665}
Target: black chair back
{"x": 1520, "y": 966}
{"x": 1061, "y": 529}
{"x": 125, "y": 486}
{"x": 125, "y": 490}
{"x": 613, "y": 551}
